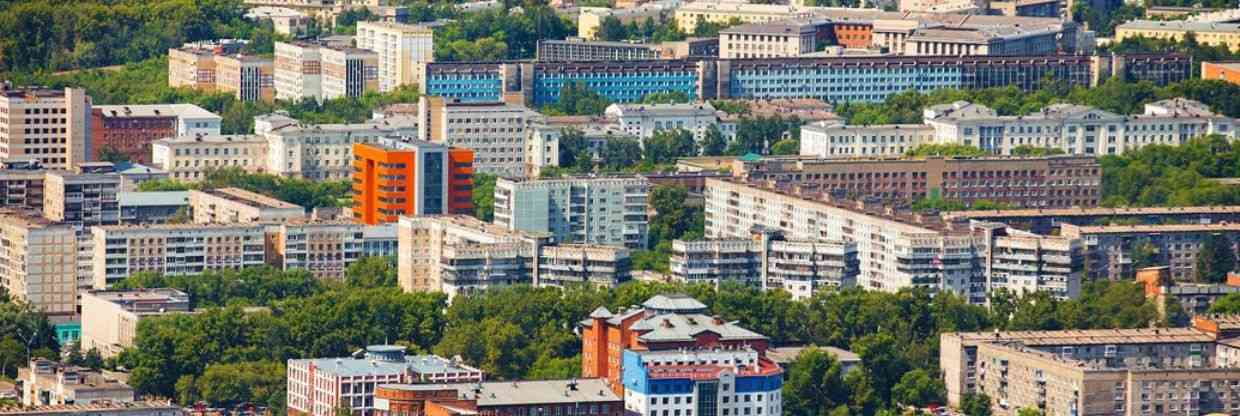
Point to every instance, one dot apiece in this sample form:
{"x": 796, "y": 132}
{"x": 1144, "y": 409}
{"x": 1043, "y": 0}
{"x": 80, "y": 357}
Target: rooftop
{"x": 1152, "y": 228}
{"x": 521, "y": 393}
{"x": 785, "y": 355}
{"x": 213, "y": 139}
{"x": 773, "y": 28}
{"x": 152, "y": 199}
{"x": 1178, "y": 25}
{"x": 1090, "y": 212}
{"x": 253, "y": 199}
{"x": 677, "y": 302}
{"x": 88, "y": 409}
{"x": 616, "y": 110}
{"x": 1092, "y": 336}
{"x": 154, "y": 110}
{"x": 150, "y": 298}
{"x": 386, "y": 359}
{"x": 24, "y": 218}
{"x": 674, "y": 327}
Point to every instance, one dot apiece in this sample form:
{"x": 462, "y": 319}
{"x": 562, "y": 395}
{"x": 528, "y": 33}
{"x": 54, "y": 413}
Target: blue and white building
{"x": 705, "y": 382}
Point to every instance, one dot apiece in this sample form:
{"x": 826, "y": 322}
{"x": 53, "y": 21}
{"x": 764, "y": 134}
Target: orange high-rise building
{"x": 393, "y": 178}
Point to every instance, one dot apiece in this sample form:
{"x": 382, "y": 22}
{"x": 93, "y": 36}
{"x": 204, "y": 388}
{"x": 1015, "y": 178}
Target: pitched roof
{"x": 685, "y": 327}
{"x": 674, "y": 302}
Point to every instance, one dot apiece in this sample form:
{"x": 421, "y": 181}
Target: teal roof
{"x": 751, "y": 157}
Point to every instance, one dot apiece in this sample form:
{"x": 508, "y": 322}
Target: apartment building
{"x": 21, "y": 188}
{"x": 662, "y": 324}
{"x": 496, "y": 132}
{"x": 578, "y": 49}
{"x": 1124, "y": 371}
{"x": 322, "y": 386}
{"x": 403, "y": 51}
{"x": 236, "y": 205}
{"x": 193, "y": 64}
{"x": 110, "y": 318}
{"x": 128, "y": 130}
{"x": 38, "y": 263}
{"x": 49, "y": 383}
{"x": 45, "y": 124}
{"x": 1074, "y": 129}
{"x": 1034, "y": 182}
{"x": 897, "y": 249}
{"x": 326, "y": 248}
{"x": 1207, "y": 33}
{"x": 542, "y": 148}
{"x": 1111, "y": 248}
{"x": 457, "y": 254}
{"x": 1193, "y": 298}
{"x": 587, "y": 396}
{"x": 801, "y": 268}
{"x": 249, "y": 78}
{"x": 349, "y": 72}
{"x": 83, "y": 200}
{"x": 157, "y": 207}
{"x": 644, "y": 120}
{"x": 1047, "y": 221}
{"x": 603, "y": 210}
{"x": 173, "y": 249}
{"x": 322, "y": 151}
{"x": 298, "y": 67}
{"x": 393, "y": 178}
{"x": 575, "y": 264}
{"x": 1022, "y": 262}
{"x": 190, "y": 159}
{"x": 782, "y": 39}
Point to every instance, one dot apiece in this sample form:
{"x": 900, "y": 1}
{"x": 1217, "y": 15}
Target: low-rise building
{"x": 682, "y": 382}
{"x": 135, "y": 408}
{"x": 943, "y": 6}
{"x": 588, "y": 210}
{"x": 236, "y": 205}
{"x": 38, "y": 263}
{"x": 110, "y": 318}
{"x": 173, "y": 249}
{"x": 644, "y": 120}
{"x": 578, "y": 49}
{"x": 584, "y": 397}
{"x": 322, "y": 386}
{"x": 1207, "y": 33}
{"x": 393, "y": 178}
{"x": 128, "y": 130}
{"x": 191, "y": 158}
{"x": 49, "y": 383}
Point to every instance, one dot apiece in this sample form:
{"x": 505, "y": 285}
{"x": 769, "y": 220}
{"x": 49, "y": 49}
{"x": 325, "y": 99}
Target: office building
{"x": 326, "y": 248}
{"x": 578, "y": 49}
{"x": 783, "y": 39}
{"x": 173, "y": 249}
{"x": 49, "y": 383}
{"x": 322, "y": 386}
{"x": 575, "y": 264}
{"x": 701, "y": 382}
{"x": 103, "y": 408}
{"x": 457, "y": 254}
{"x": 896, "y": 248}
{"x": 1223, "y": 71}
{"x": 128, "y": 130}
{"x": 158, "y": 207}
{"x": 1207, "y": 33}
{"x": 38, "y": 263}
{"x": 1112, "y": 248}
{"x": 220, "y": 66}
{"x": 1034, "y": 182}
{"x": 349, "y": 72}
{"x": 567, "y": 397}
{"x": 322, "y": 151}
{"x": 110, "y": 318}
{"x": 689, "y": 14}
{"x": 45, "y": 124}
{"x": 393, "y": 178}
{"x": 496, "y": 132}
{"x": 607, "y": 211}
{"x": 644, "y": 120}
{"x": 1107, "y": 371}
{"x": 239, "y": 206}
{"x": 403, "y": 51}
{"x": 663, "y": 324}
{"x": 190, "y": 159}
{"x": 298, "y": 69}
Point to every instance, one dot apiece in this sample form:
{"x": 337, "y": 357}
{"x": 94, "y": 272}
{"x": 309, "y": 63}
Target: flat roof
{"x": 1092, "y": 336}
{"x": 1157, "y": 228}
{"x": 518, "y": 393}
{"x": 253, "y": 199}
{"x": 422, "y": 364}
{"x": 1081, "y": 212}
{"x": 161, "y": 294}
{"x": 152, "y": 199}
{"x": 1179, "y": 25}
{"x": 154, "y": 110}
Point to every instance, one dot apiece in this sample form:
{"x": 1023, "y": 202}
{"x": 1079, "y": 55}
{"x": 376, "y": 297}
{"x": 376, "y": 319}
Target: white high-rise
{"x": 403, "y": 51}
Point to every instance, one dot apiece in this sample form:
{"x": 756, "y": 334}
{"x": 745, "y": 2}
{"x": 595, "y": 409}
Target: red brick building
{"x": 130, "y": 129}
{"x": 664, "y": 322}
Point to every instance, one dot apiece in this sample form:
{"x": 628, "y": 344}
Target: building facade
{"x": 49, "y": 383}
{"x": 190, "y": 159}
{"x": 608, "y": 211}
{"x": 128, "y": 130}
{"x": 1223, "y": 71}
{"x": 644, "y": 120}
{"x": 51, "y": 126}
{"x": 1112, "y": 248}
{"x": 403, "y": 51}
{"x": 239, "y": 206}
{"x": 110, "y": 318}
{"x": 729, "y": 382}
{"x": 577, "y": 49}
{"x": 322, "y": 151}
{"x": 767, "y": 261}
{"x": 496, "y": 132}
{"x": 394, "y": 178}
{"x": 321, "y": 386}
{"x": 784, "y": 39}
{"x": 327, "y": 248}
{"x": 575, "y": 264}
{"x": 348, "y": 72}
{"x": 458, "y": 254}
{"x": 174, "y": 249}
{"x": 1207, "y": 33}
{"x": 39, "y": 263}
{"x": 495, "y": 398}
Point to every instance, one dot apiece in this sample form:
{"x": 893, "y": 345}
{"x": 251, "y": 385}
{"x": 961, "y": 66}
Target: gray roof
{"x": 788, "y": 27}
{"x": 601, "y": 313}
{"x": 674, "y": 302}
{"x": 152, "y": 199}
{"x": 785, "y": 355}
{"x": 1179, "y": 25}
{"x": 684, "y": 327}
{"x": 350, "y": 367}
{"x": 509, "y": 393}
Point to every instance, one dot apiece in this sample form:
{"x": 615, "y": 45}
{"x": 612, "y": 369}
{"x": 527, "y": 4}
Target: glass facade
{"x": 468, "y": 87}
{"x": 835, "y": 84}
{"x": 432, "y": 183}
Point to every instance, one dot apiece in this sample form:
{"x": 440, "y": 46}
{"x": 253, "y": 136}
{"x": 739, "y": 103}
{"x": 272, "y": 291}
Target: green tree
{"x": 575, "y": 151}
{"x": 1228, "y": 304}
{"x": 945, "y": 150}
{"x": 975, "y": 404}
{"x": 110, "y": 154}
{"x": 1027, "y": 150}
{"x": 620, "y": 153}
{"x": 484, "y": 196}
{"x": 668, "y": 145}
{"x": 1029, "y": 411}
{"x": 814, "y": 384}
{"x": 611, "y": 29}
{"x": 372, "y": 272}
{"x": 666, "y": 97}
{"x": 918, "y": 388}
{"x": 1216, "y": 258}
{"x": 713, "y": 143}
{"x": 577, "y": 99}
{"x": 786, "y": 147}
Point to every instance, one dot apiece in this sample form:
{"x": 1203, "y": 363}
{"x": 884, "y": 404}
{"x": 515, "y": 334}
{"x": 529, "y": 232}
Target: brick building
{"x": 130, "y": 129}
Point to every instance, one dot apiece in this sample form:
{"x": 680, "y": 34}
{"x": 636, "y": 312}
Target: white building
{"x": 1075, "y": 129}
{"x": 801, "y": 268}
{"x": 457, "y": 254}
{"x": 321, "y": 151}
{"x": 674, "y": 381}
{"x": 605, "y": 210}
{"x": 323, "y": 386}
{"x": 298, "y": 70}
{"x": 404, "y": 50}
{"x": 643, "y": 120}
{"x": 190, "y": 158}
{"x": 496, "y": 132}
{"x": 110, "y": 318}
{"x": 783, "y": 39}
{"x": 174, "y": 249}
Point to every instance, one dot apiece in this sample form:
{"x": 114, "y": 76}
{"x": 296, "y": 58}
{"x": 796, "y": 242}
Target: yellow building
{"x": 1212, "y": 34}
{"x": 687, "y": 16}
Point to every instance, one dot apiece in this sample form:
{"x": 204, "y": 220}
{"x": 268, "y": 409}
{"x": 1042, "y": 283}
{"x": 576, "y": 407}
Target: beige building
{"x": 596, "y": 265}
{"x": 349, "y": 72}
{"x": 48, "y": 383}
{"x": 457, "y": 254}
{"x": 687, "y": 16}
{"x": 44, "y": 124}
{"x": 783, "y": 39}
{"x": 249, "y": 78}
{"x": 1206, "y": 33}
{"x": 220, "y": 66}
{"x": 298, "y": 67}
{"x": 325, "y": 248}
{"x": 38, "y": 262}
{"x": 403, "y": 51}
{"x": 496, "y": 132}
{"x": 84, "y": 201}
{"x": 322, "y": 151}
{"x": 174, "y": 249}
{"x": 110, "y": 318}
{"x": 236, "y": 205}
{"x": 21, "y": 189}
{"x": 190, "y": 158}
{"x": 323, "y": 70}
